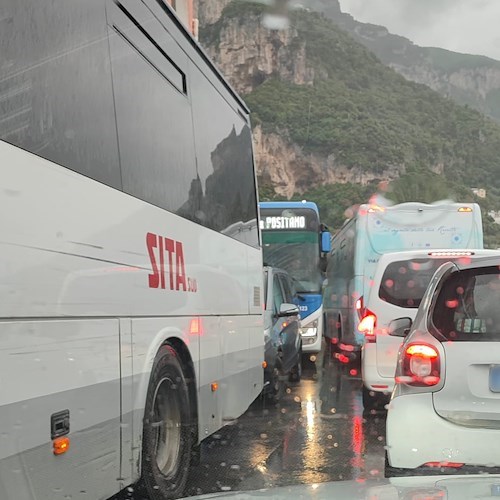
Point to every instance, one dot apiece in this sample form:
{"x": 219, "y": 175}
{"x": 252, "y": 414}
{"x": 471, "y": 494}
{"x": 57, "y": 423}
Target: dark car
{"x": 283, "y": 351}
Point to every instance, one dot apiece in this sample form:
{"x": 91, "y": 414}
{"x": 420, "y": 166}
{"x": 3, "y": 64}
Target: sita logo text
{"x": 167, "y": 263}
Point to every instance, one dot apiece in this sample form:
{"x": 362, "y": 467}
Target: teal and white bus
{"x": 375, "y": 230}
{"x": 294, "y": 239}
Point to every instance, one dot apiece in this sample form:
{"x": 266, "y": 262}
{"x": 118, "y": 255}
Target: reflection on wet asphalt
{"x": 317, "y": 433}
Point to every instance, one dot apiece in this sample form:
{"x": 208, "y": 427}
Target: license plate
{"x": 495, "y": 378}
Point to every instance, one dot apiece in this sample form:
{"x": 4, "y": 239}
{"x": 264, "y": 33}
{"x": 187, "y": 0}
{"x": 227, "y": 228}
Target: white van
{"x": 399, "y": 283}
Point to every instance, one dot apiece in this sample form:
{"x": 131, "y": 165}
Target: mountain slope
{"x": 468, "y": 79}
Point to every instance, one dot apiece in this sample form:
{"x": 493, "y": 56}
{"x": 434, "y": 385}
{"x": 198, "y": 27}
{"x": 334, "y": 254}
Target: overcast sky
{"x": 469, "y": 26}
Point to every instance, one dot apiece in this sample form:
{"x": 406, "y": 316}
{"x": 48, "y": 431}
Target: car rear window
{"x": 404, "y": 282}
{"x": 468, "y": 306}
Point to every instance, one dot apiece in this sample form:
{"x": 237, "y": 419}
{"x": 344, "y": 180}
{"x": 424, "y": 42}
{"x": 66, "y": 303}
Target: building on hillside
{"x": 479, "y": 192}
{"x": 495, "y": 215}
{"x": 185, "y": 11}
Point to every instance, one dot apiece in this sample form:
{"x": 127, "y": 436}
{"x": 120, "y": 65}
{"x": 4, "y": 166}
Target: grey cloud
{"x": 460, "y": 25}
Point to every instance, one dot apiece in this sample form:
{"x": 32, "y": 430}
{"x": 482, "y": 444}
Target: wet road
{"x": 317, "y": 433}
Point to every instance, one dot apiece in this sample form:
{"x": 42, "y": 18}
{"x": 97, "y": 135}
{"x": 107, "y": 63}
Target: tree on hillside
{"x": 420, "y": 184}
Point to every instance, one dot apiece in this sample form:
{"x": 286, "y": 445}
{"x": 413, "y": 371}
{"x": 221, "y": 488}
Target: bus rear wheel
{"x": 168, "y": 429}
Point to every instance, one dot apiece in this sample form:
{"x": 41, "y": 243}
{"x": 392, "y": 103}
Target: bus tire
{"x": 168, "y": 428}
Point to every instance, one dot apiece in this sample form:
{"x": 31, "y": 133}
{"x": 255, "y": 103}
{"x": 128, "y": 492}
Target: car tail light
{"x": 455, "y": 465}
{"x": 451, "y": 253}
{"x": 367, "y": 325}
{"x": 420, "y": 366}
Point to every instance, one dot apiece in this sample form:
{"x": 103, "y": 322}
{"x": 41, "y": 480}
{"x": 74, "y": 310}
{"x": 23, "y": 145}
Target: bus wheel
{"x": 167, "y": 429}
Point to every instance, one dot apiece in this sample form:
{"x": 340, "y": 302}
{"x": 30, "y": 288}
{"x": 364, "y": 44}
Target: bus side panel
{"x": 340, "y": 274}
{"x": 67, "y": 365}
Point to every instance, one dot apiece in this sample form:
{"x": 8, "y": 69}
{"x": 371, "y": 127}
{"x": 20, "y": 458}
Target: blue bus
{"x": 294, "y": 239}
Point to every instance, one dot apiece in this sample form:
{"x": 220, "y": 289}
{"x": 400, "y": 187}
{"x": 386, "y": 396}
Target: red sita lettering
{"x": 177, "y": 279}
{"x": 151, "y": 243}
{"x": 179, "y": 265}
{"x": 170, "y": 248}
{"x": 162, "y": 264}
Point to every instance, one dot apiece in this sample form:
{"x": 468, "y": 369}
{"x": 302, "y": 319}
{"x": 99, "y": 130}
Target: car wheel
{"x": 168, "y": 429}
{"x": 390, "y": 471}
{"x": 373, "y": 400}
{"x": 278, "y": 385}
{"x": 296, "y": 372}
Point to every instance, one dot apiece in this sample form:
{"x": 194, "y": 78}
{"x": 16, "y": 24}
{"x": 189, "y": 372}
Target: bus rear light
{"x": 375, "y": 208}
{"x": 342, "y": 358}
{"x": 359, "y": 304}
{"x": 367, "y": 325}
{"x": 346, "y": 347}
{"x": 420, "y": 366}
{"x": 465, "y": 209}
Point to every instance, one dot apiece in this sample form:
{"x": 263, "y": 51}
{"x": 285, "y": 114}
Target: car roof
{"x": 474, "y": 253}
{"x": 479, "y": 262}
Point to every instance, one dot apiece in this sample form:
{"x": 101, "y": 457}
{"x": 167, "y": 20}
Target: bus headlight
{"x": 309, "y": 330}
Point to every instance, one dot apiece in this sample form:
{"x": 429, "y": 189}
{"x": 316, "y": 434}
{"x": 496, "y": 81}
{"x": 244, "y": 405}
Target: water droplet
{"x": 335, "y": 445}
{"x": 263, "y": 436}
{"x": 329, "y": 436}
{"x": 296, "y": 399}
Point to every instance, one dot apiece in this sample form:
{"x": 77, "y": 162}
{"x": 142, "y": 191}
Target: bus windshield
{"x": 296, "y": 252}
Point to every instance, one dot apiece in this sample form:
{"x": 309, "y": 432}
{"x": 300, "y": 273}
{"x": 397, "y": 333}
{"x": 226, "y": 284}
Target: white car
{"x": 399, "y": 283}
{"x": 444, "y": 413}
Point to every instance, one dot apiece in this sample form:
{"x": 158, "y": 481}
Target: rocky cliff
{"x": 289, "y": 170}
{"x": 248, "y": 53}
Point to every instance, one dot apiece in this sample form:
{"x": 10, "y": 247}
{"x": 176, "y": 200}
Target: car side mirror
{"x": 326, "y": 242}
{"x": 288, "y": 310}
{"x": 400, "y": 327}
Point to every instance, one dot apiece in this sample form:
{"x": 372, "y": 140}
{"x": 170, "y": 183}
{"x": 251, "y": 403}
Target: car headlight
{"x": 310, "y": 329}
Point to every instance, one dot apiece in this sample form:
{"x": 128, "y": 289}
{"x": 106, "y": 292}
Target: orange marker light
{"x": 214, "y": 386}
{"x": 464, "y": 209}
{"x": 196, "y": 327}
{"x": 60, "y": 445}
{"x": 264, "y": 364}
